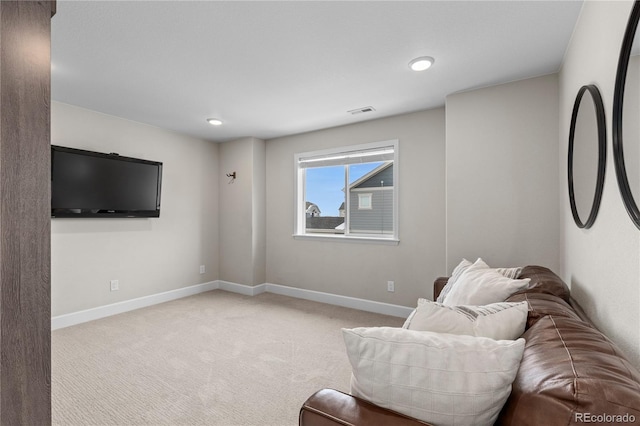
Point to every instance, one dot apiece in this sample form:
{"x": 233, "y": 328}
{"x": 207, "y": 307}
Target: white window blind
{"x": 348, "y": 157}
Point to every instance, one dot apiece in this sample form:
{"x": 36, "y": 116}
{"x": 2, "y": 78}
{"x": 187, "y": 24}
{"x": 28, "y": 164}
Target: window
{"x": 364, "y": 201}
{"x": 348, "y": 193}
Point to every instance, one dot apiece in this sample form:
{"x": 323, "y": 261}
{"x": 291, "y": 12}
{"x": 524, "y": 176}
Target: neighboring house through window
{"x": 312, "y": 210}
{"x": 354, "y": 187}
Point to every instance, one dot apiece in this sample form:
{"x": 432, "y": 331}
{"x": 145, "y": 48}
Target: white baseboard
{"x": 79, "y": 317}
{"x": 67, "y": 320}
{"x": 318, "y": 296}
{"x": 247, "y": 290}
{"x": 338, "y": 300}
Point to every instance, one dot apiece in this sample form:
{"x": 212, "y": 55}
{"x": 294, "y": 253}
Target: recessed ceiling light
{"x": 214, "y": 121}
{"x": 422, "y": 63}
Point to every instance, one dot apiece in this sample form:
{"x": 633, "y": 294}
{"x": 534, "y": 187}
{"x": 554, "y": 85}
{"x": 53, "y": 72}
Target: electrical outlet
{"x": 202, "y": 269}
{"x": 391, "y": 286}
{"x": 115, "y": 285}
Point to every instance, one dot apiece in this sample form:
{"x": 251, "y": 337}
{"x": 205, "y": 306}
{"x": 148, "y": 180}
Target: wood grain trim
{"x": 25, "y": 300}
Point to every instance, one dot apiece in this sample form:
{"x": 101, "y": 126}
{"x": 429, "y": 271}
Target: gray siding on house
{"x": 385, "y": 175}
{"x": 378, "y": 219}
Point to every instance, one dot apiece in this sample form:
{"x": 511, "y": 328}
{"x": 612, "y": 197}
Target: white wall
{"x": 147, "y": 256}
{"x": 357, "y": 269}
{"x": 502, "y": 174}
{"x": 602, "y": 264}
{"x": 242, "y": 212}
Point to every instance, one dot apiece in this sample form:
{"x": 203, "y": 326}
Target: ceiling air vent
{"x": 361, "y": 110}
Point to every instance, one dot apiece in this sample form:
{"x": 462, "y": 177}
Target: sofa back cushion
{"x": 543, "y": 280}
{"x": 541, "y": 305}
{"x": 570, "y": 372}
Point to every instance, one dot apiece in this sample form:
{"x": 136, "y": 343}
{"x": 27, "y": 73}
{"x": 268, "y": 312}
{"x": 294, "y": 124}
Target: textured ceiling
{"x": 269, "y": 69}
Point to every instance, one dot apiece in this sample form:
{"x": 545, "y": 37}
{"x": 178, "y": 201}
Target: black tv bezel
{"x": 65, "y": 213}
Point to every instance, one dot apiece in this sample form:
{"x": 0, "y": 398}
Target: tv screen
{"x": 93, "y": 184}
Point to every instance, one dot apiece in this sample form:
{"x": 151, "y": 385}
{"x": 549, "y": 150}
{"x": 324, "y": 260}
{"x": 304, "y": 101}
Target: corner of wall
{"x": 242, "y": 212}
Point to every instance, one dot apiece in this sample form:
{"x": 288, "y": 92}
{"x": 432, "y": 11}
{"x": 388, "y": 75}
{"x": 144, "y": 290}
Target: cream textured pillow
{"x": 500, "y": 321}
{"x": 512, "y": 273}
{"x": 442, "y": 379}
{"x": 481, "y": 286}
{"x": 479, "y": 263}
{"x": 457, "y": 271}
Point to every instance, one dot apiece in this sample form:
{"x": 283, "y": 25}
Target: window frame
{"x": 299, "y": 231}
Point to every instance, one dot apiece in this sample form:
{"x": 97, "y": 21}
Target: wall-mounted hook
{"x": 232, "y": 176}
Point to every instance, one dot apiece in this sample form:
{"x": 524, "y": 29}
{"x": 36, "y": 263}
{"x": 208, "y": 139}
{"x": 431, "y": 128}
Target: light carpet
{"x": 216, "y": 358}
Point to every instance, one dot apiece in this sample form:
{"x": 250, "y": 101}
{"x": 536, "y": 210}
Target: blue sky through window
{"x": 324, "y": 185}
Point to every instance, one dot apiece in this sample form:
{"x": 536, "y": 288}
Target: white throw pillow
{"x": 442, "y": 379}
{"x": 500, "y": 321}
{"x": 479, "y": 263}
{"x": 481, "y": 286}
{"x": 457, "y": 271}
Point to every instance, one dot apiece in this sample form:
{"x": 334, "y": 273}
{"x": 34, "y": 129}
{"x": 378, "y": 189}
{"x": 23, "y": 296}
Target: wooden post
{"x": 25, "y": 294}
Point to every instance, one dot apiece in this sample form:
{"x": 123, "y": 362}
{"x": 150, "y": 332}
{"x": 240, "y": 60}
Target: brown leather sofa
{"x": 570, "y": 372}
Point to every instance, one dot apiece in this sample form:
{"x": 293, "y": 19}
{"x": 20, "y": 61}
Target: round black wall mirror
{"x": 587, "y": 156}
{"x": 626, "y": 122}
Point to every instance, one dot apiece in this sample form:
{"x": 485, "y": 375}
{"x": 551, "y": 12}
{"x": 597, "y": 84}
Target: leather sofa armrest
{"x": 438, "y": 285}
{"x": 329, "y": 407}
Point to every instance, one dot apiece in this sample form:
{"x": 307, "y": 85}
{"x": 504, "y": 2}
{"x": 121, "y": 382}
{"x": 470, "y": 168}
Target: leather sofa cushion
{"x": 544, "y": 281}
{"x": 570, "y": 370}
{"x": 541, "y": 305}
{"x": 438, "y": 285}
{"x": 329, "y": 407}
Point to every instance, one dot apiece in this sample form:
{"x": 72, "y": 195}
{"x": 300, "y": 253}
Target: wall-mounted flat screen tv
{"x": 94, "y": 184}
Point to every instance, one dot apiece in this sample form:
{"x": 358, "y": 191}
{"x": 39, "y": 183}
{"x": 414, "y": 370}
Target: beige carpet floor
{"x": 216, "y": 358}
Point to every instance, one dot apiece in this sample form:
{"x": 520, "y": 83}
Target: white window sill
{"x": 348, "y": 239}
